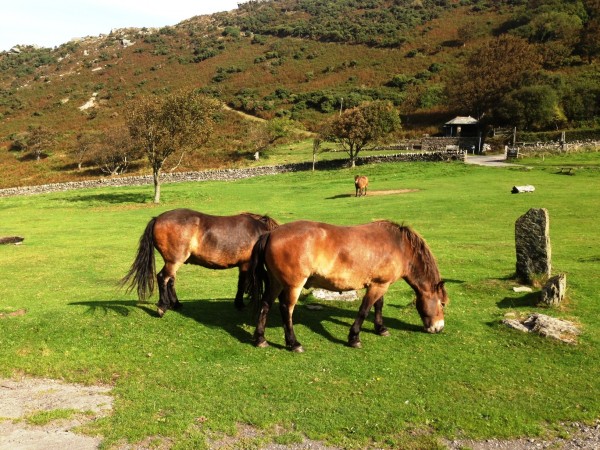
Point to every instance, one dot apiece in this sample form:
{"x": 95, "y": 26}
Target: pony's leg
{"x": 163, "y": 296}
{"x": 167, "y": 297}
{"x": 373, "y": 294}
{"x": 287, "y": 301}
{"x": 241, "y": 287}
{"x": 266, "y": 303}
{"x": 379, "y": 328}
{"x": 175, "y": 304}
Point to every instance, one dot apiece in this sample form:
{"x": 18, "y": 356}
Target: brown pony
{"x": 372, "y": 256}
{"x": 360, "y": 183}
{"x": 183, "y": 236}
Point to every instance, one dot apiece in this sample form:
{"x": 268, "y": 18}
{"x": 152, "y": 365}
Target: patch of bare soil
{"x": 19, "y": 312}
{"x": 27, "y": 397}
{"x": 581, "y": 437}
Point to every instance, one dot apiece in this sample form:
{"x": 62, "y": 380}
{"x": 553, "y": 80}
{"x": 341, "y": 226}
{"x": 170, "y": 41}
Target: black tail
{"x": 142, "y": 270}
{"x": 258, "y": 279}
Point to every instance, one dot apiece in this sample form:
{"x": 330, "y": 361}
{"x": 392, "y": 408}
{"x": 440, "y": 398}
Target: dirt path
{"x": 489, "y": 160}
{"x": 23, "y": 400}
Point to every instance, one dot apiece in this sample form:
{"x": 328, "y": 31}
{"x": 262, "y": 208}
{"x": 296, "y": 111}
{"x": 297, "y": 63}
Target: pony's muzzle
{"x": 436, "y": 327}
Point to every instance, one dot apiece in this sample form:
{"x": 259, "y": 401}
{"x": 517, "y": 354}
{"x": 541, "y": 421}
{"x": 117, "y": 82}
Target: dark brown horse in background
{"x": 361, "y": 183}
{"x": 183, "y": 236}
{"x": 372, "y": 256}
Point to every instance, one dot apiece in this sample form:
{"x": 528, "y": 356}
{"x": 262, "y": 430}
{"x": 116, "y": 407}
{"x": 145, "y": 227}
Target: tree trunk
{"x": 156, "y": 176}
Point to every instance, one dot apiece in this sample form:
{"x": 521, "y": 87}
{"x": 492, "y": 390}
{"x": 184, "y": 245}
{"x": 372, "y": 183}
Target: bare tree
{"x": 38, "y": 140}
{"x": 83, "y": 147}
{"x": 165, "y": 127}
{"x": 113, "y": 151}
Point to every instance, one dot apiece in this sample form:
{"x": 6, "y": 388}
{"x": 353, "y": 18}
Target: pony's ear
{"x": 440, "y": 288}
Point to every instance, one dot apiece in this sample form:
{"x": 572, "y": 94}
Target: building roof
{"x": 459, "y": 120}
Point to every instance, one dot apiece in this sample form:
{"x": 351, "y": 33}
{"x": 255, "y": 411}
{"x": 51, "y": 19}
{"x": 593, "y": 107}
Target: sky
{"x": 50, "y": 23}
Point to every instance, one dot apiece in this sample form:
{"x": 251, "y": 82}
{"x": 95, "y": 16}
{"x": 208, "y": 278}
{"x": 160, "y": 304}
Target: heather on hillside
{"x": 530, "y": 64}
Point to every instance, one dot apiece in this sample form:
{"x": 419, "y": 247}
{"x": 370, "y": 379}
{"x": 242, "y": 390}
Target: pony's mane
{"x": 429, "y": 268}
{"x": 270, "y": 223}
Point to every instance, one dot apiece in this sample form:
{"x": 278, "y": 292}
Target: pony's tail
{"x": 258, "y": 279}
{"x": 142, "y": 271}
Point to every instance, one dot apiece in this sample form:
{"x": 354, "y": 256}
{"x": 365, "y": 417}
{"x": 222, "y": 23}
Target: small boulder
{"x": 323, "y": 294}
{"x": 553, "y": 292}
{"x": 546, "y": 326}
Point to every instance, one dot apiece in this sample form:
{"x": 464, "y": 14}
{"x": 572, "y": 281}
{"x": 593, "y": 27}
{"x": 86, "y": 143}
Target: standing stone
{"x": 553, "y": 291}
{"x": 532, "y": 238}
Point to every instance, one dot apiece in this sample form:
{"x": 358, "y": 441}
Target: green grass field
{"x": 195, "y": 375}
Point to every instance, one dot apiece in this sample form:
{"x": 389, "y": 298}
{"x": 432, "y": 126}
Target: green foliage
{"x": 491, "y": 73}
{"x": 372, "y": 23}
{"x": 530, "y": 108}
{"x": 581, "y": 98}
{"x": 434, "y": 95}
{"x": 402, "y": 81}
{"x": 232, "y": 32}
{"x": 27, "y": 57}
{"x": 162, "y": 127}
{"x": 358, "y": 127}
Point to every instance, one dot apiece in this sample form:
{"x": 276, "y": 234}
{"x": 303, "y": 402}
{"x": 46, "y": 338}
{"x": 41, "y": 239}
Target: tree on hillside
{"x": 590, "y": 39}
{"x": 38, "y": 140}
{"x": 83, "y": 147}
{"x": 168, "y": 127}
{"x": 360, "y": 126}
{"x": 499, "y": 66}
{"x": 113, "y": 151}
{"x": 531, "y": 108}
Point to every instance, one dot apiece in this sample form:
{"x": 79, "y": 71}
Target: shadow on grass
{"x": 112, "y": 198}
{"x": 221, "y": 314}
{"x": 335, "y": 197}
{"x": 119, "y": 307}
{"x": 528, "y": 300}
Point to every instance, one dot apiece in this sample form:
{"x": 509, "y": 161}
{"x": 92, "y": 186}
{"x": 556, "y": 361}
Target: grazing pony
{"x": 183, "y": 236}
{"x": 308, "y": 254}
{"x": 361, "y": 183}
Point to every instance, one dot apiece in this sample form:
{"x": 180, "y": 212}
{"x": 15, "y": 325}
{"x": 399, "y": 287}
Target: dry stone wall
{"x": 230, "y": 174}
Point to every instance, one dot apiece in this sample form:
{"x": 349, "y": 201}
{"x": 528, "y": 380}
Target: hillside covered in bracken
{"x": 529, "y": 64}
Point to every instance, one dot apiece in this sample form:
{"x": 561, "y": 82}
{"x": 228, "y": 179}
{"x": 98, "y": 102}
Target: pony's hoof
{"x": 160, "y": 312}
{"x": 355, "y": 344}
{"x": 262, "y": 344}
{"x": 298, "y": 349}
{"x": 383, "y": 332}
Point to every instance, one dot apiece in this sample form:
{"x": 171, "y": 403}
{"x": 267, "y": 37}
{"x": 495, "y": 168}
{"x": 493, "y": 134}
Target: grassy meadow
{"x": 194, "y": 376}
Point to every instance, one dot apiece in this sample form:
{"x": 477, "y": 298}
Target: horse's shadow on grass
{"x": 335, "y": 197}
{"x": 119, "y": 307}
{"x": 221, "y": 314}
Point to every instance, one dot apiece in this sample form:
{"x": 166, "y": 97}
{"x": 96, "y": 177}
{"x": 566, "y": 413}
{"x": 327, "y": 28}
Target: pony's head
{"x": 431, "y": 304}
